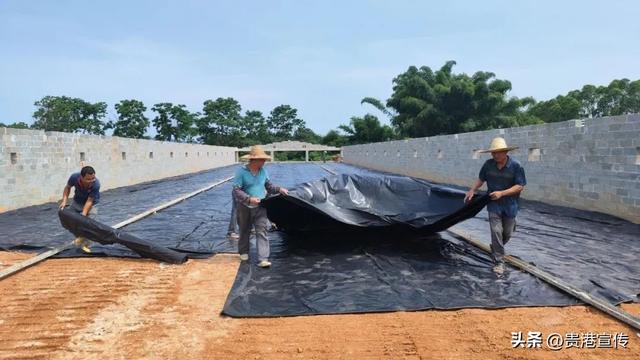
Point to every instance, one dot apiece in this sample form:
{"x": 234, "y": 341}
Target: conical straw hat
{"x": 257, "y": 153}
{"x": 498, "y": 144}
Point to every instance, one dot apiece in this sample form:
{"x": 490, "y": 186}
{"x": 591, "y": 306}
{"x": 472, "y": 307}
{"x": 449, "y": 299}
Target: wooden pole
{"x": 49, "y": 253}
{"x": 328, "y": 170}
{"x": 595, "y": 301}
{"x": 168, "y": 204}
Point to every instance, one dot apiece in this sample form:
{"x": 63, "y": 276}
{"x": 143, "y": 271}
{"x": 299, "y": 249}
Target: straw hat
{"x": 498, "y": 144}
{"x": 257, "y": 153}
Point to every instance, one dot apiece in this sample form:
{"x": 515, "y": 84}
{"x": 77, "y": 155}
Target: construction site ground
{"x": 97, "y": 308}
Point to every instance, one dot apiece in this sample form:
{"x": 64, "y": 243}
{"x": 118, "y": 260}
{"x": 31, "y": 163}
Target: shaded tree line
{"x": 423, "y": 102}
{"x": 221, "y": 121}
{"x": 428, "y": 103}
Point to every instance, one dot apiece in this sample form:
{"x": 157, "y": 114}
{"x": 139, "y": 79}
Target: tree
{"x": 283, "y": 122}
{"x": 174, "y": 122}
{"x": 131, "y": 123}
{"x": 377, "y": 104}
{"x": 305, "y": 134}
{"x": 366, "y": 130}
{"x": 559, "y": 109}
{"x": 162, "y": 122}
{"x": 334, "y": 138}
{"x": 186, "y": 123}
{"x": 18, "y": 125}
{"x": 221, "y": 122}
{"x": 619, "y": 97}
{"x": 430, "y": 103}
{"x": 62, "y": 113}
{"x": 255, "y": 128}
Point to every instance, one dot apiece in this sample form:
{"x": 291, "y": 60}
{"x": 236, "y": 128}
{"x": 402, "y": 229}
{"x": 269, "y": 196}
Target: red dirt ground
{"x": 126, "y": 309}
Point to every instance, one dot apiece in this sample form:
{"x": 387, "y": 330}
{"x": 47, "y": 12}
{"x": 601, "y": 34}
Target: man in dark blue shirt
{"x": 505, "y": 180}
{"x": 85, "y": 197}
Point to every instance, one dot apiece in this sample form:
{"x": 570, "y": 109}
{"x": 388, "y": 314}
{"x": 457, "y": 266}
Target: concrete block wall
{"x": 591, "y": 164}
{"x": 35, "y": 165}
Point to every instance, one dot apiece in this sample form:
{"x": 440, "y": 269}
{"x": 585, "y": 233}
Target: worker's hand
{"x": 63, "y": 204}
{"x": 468, "y": 196}
{"x": 254, "y": 201}
{"x": 284, "y": 191}
{"x": 496, "y": 195}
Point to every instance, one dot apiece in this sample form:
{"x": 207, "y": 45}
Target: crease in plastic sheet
{"x": 352, "y": 203}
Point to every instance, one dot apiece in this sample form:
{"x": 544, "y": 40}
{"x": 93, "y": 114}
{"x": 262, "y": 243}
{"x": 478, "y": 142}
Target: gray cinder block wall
{"x": 590, "y": 164}
{"x": 35, "y": 165}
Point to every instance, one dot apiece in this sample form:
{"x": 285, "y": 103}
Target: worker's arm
{"x": 514, "y": 190}
{"x": 243, "y": 197}
{"x": 87, "y": 206}
{"x": 65, "y": 196}
{"x": 272, "y": 189}
{"x": 520, "y": 181}
{"x": 469, "y": 195}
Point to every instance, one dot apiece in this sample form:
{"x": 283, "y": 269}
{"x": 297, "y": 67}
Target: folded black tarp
{"x": 352, "y": 202}
{"x": 86, "y": 227}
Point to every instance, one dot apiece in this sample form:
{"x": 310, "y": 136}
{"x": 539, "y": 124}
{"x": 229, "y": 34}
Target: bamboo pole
{"x": 328, "y": 170}
{"x": 595, "y": 301}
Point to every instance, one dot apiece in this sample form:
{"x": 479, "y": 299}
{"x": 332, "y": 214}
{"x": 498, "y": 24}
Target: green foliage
{"x": 289, "y": 156}
{"x": 335, "y": 138}
{"x": 305, "y": 134}
{"x": 431, "y": 103}
{"x": 366, "y": 129}
{"x": 283, "y": 122}
{"x": 255, "y": 129}
{"x": 322, "y": 155}
{"x": 377, "y": 104}
{"x": 423, "y": 103}
{"x": 18, "y": 125}
{"x": 221, "y": 122}
{"x": 131, "y": 123}
{"x": 618, "y": 98}
{"x": 62, "y": 113}
{"x": 174, "y": 122}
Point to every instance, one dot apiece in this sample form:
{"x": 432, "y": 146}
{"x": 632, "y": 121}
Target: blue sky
{"x": 321, "y": 57}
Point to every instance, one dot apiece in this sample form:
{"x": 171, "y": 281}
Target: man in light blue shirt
{"x": 250, "y": 185}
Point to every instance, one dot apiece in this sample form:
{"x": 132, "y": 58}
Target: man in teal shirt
{"x": 250, "y": 185}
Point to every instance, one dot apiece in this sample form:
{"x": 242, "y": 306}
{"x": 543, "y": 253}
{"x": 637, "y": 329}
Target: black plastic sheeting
{"x": 196, "y": 226}
{"x": 82, "y": 226}
{"x": 596, "y": 252}
{"x": 331, "y": 274}
{"x": 383, "y": 272}
{"x": 354, "y": 203}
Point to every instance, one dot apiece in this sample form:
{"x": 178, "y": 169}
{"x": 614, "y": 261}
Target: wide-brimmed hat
{"x": 498, "y": 144}
{"x": 257, "y": 153}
